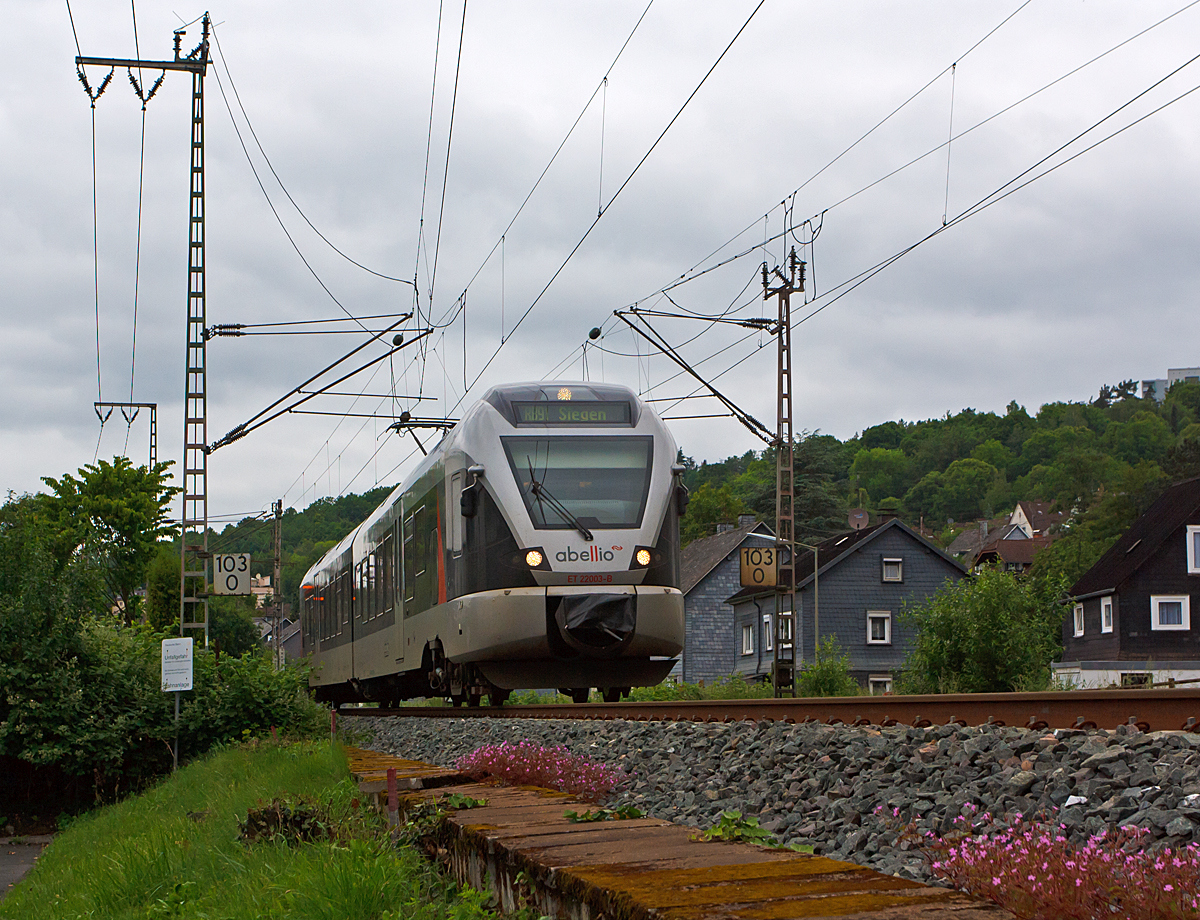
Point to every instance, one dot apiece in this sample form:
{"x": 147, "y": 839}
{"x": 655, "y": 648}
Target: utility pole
{"x": 194, "y": 555}
{"x": 780, "y": 285}
{"x": 277, "y": 586}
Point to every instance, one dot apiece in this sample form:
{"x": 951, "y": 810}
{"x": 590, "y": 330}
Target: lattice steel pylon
{"x": 194, "y": 555}
{"x": 787, "y": 638}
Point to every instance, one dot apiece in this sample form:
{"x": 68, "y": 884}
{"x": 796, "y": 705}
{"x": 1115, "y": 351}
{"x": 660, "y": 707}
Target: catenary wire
{"x": 279, "y": 219}
{"x": 284, "y": 188}
{"x": 693, "y": 272}
{"x": 437, "y": 245}
{"x": 614, "y": 197}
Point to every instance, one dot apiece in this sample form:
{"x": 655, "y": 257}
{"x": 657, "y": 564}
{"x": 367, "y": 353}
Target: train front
{"x": 585, "y": 477}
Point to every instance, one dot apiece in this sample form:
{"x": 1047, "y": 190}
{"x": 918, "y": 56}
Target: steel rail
{"x": 1150, "y": 710}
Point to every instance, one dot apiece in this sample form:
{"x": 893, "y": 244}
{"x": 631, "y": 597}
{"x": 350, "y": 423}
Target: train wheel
{"x": 474, "y": 698}
{"x": 579, "y": 694}
{"x": 613, "y": 694}
{"x": 498, "y": 697}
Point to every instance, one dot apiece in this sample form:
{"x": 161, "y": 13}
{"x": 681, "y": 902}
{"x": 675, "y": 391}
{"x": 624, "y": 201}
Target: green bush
{"x": 991, "y": 633}
{"x": 828, "y": 674}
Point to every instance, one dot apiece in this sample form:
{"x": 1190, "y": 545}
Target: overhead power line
{"x": 282, "y": 186}
{"x": 614, "y": 197}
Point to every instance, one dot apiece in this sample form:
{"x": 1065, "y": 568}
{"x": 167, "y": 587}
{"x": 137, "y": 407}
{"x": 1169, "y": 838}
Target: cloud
{"x": 1085, "y": 277}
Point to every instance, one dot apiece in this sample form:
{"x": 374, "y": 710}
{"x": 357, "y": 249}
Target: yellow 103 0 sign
{"x": 760, "y": 566}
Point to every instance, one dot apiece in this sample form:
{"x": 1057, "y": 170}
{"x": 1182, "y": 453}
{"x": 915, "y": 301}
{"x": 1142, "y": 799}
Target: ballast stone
{"x": 851, "y": 792}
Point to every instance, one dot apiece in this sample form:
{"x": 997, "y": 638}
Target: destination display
{"x": 574, "y": 413}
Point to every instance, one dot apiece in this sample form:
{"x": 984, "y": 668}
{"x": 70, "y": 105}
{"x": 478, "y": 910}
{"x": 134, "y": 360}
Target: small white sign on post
{"x": 231, "y": 573}
{"x": 177, "y": 664}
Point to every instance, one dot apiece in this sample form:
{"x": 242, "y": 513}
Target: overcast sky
{"x": 1084, "y": 277}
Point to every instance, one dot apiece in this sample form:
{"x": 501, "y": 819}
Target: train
{"x": 536, "y": 546}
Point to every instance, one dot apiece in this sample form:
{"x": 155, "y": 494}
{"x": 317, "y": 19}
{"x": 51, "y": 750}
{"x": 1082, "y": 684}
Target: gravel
{"x": 849, "y": 792}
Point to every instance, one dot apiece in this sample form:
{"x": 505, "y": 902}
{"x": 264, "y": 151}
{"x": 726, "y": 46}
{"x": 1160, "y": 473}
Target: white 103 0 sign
{"x": 231, "y": 573}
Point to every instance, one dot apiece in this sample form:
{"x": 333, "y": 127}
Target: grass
{"x": 175, "y": 852}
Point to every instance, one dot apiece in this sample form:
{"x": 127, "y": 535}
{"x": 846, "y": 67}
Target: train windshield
{"x": 590, "y": 482}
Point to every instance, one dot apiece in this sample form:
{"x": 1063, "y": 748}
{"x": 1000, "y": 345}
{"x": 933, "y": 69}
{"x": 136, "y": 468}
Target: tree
{"x": 162, "y": 588}
{"x": 231, "y": 625}
{"x": 708, "y": 507}
{"x": 991, "y": 633}
{"x": 881, "y": 471}
{"x": 116, "y": 513}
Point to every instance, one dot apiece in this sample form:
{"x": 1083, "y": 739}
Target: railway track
{"x": 1150, "y": 710}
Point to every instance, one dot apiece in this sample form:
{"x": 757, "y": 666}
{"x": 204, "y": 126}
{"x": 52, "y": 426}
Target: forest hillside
{"x": 1104, "y": 460}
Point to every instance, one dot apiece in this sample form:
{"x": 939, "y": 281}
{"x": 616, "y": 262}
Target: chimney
{"x": 724, "y": 527}
{"x": 747, "y": 520}
{"x": 887, "y": 513}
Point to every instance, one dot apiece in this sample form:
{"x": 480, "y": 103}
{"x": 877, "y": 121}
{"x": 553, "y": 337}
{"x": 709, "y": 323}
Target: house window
{"x": 879, "y": 684}
{"x": 1170, "y": 611}
{"x": 785, "y": 631}
{"x": 1106, "y": 615}
{"x": 893, "y": 570}
{"x": 879, "y": 627}
{"x": 1135, "y": 679}
{"x": 768, "y": 634}
{"x": 748, "y": 639}
{"x": 1078, "y": 620}
{"x": 1193, "y": 549}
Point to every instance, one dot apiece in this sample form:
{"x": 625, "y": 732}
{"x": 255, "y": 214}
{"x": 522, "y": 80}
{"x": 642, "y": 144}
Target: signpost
{"x": 231, "y": 573}
{"x": 760, "y": 566}
{"x": 176, "y": 677}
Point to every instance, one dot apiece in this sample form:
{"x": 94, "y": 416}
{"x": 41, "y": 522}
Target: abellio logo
{"x": 589, "y": 554}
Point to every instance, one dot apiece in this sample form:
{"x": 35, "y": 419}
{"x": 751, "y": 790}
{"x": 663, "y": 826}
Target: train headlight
{"x": 532, "y": 557}
{"x": 644, "y": 557}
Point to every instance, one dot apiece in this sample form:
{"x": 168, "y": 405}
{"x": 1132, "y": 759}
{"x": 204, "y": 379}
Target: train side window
{"x": 372, "y": 593}
{"x": 386, "y": 555}
{"x": 410, "y": 566}
{"x": 360, "y": 572}
{"x": 456, "y": 518}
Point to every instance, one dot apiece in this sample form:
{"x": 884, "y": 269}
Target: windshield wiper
{"x": 539, "y": 491}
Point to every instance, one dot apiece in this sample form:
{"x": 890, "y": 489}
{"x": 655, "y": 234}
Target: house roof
{"x": 702, "y": 556}
{"x": 1009, "y": 533}
{"x": 971, "y": 540}
{"x": 1040, "y": 517}
{"x": 1177, "y": 505}
{"x": 833, "y": 550}
{"x": 1014, "y": 549}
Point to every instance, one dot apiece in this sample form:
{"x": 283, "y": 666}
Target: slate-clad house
{"x": 710, "y": 573}
{"x": 1131, "y": 621}
{"x": 865, "y": 578}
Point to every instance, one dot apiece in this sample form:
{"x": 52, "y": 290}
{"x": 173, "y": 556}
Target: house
{"x": 260, "y": 587}
{"x": 289, "y": 631}
{"x": 864, "y": 579}
{"x": 1036, "y": 519}
{"x": 710, "y": 572}
{"x": 1012, "y": 550}
{"x": 1130, "y": 621}
{"x": 966, "y": 545}
{"x": 1157, "y": 389}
